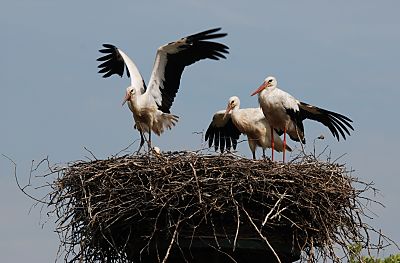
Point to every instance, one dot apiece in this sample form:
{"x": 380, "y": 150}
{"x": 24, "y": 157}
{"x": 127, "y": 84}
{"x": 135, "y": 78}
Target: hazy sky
{"x": 339, "y": 55}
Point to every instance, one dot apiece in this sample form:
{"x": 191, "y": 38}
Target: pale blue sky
{"x": 339, "y": 55}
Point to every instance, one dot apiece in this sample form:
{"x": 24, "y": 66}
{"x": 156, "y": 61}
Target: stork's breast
{"x": 276, "y": 116}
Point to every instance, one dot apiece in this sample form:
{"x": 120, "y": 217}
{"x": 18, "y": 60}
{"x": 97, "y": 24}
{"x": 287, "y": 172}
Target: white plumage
{"x": 151, "y": 105}
{"x": 227, "y": 125}
{"x": 286, "y": 114}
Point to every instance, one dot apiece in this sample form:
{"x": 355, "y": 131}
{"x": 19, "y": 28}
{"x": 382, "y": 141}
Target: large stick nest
{"x": 126, "y": 208}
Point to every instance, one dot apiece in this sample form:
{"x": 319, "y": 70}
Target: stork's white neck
{"x": 267, "y": 91}
{"x": 235, "y": 111}
{"x": 133, "y": 103}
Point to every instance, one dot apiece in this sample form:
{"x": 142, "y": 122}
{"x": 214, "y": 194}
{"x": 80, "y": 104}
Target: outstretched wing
{"x": 115, "y": 61}
{"x": 172, "y": 58}
{"x": 222, "y": 132}
{"x": 336, "y": 123}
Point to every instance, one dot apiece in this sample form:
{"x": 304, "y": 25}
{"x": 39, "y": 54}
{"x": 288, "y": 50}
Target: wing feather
{"x": 222, "y": 132}
{"x": 336, "y": 123}
{"x": 172, "y": 58}
{"x": 115, "y": 62}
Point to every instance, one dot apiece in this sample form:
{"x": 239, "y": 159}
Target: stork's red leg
{"x": 272, "y": 143}
{"x": 284, "y": 143}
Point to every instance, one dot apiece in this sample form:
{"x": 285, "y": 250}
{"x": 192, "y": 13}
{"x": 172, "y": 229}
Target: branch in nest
{"x": 123, "y": 207}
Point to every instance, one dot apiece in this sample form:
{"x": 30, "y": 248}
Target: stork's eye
{"x": 269, "y": 81}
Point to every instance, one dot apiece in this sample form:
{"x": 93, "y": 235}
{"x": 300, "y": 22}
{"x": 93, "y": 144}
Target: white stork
{"x": 286, "y": 114}
{"x": 151, "y": 105}
{"x": 227, "y": 125}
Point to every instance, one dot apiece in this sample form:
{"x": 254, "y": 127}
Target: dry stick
{"x": 127, "y": 239}
{"x": 87, "y": 198}
{"x": 172, "y": 241}
{"x": 124, "y": 149}
{"x": 34, "y": 169}
{"x": 112, "y": 244}
{"x": 273, "y": 208}
{"x": 223, "y": 252}
{"x": 18, "y": 184}
{"x": 181, "y": 250}
{"x": 154, "y": 230}
{"x": 237, "y": 221}
{"x": 197, "y": 183}
{"x": 91, "y": 153}
{"x": 261, "y": 235}
{"x": 215, "y": 233}
{"x": 279, "y": 213}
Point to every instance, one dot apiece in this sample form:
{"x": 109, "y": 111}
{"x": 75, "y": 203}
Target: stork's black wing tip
{"x": 109, "y": 46}
{"x": 112, "y": 62}
{"x": 207, "y": 34}
{"x": 212, "y": 30}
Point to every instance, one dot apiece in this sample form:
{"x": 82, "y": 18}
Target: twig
{"x": 18, "y": 184}
{"x": 91, "y": 153}
{"x": 197, "y": 183}
{"x": 273, "y": 208}
{"x": 261, "y": 235}
{"x": 172, "y": 241}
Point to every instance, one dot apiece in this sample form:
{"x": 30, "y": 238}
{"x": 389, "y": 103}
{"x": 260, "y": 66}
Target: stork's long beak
{"x": 263, "y": 86}
{"x": 126, "y": 98}
{"x": 228, "y": 109}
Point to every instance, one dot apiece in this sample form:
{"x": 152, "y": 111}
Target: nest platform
{"x": 190, "y": 207}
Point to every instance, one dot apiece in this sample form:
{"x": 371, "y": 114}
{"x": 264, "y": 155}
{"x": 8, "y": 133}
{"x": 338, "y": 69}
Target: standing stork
{"x": 151, "y": 105}
{"x": 227, "y": 125}
{"x": 286, "y": 114}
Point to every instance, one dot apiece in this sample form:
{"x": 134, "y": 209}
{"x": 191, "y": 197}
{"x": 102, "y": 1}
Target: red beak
{"x": 263, "y": 86}
{"x": 228, "y": 109}
{"x": 127, "y": 97}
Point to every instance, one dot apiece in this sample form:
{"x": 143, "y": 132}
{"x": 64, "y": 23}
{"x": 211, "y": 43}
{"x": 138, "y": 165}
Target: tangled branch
{"x": 128, "y": 208}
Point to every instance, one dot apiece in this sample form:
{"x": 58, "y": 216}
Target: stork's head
{"x": 233, "y": 103}
{"x": 130, "y": 91}
{"x": 269, "y": 83}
